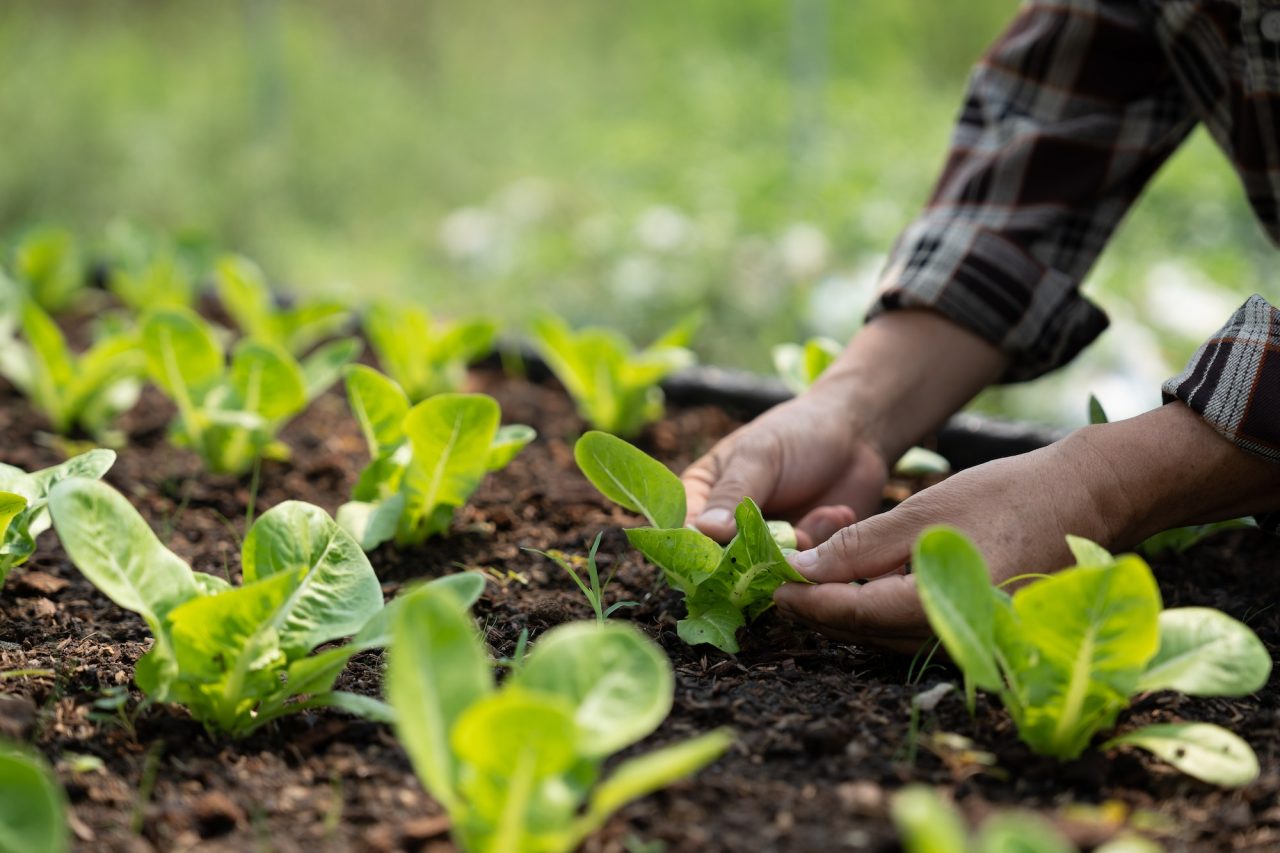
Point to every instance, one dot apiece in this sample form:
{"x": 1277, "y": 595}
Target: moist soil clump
{"x": 824, "y": 731}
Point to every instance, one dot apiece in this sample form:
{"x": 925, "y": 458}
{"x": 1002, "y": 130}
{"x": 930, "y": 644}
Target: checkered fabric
{"x": 1067, "y": 117}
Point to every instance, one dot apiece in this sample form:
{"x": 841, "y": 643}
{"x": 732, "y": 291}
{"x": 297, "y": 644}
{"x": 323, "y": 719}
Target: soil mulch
{"x": 824, "y": 731}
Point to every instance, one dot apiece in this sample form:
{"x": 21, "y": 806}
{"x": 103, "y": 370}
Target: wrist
{"x": 1169, "y": 468}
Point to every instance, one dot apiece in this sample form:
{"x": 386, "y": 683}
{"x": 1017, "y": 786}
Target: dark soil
{"x": 824, "y": 732}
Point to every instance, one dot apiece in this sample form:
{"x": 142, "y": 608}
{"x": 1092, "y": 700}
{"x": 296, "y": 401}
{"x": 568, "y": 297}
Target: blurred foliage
{"x": 616, "y": 163}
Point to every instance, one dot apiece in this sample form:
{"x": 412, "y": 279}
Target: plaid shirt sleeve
{"x": 1066, "y": 118}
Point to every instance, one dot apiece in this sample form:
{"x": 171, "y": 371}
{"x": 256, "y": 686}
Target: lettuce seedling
{"x": 236, "y": 656}
{"x": 243, "y": 291}
{"x": 424, "y": 355}
{"x": 1066, "y": 654}
{"x": 163, "y": 280}
{"x": 24, "y": 502}
{"x": 86, "y": 391}
{"x": 615, "y": 387}
{"x": 800, "y": 365}
{"x": 48, "y": 265}
{"x": 426, "y": 460}
{"x": 519, "y": 767}
{"x": 33, "y": 807}
{"x": 230, "y": 415}
{"x": 724, "y": 587}
{"x": 926, "y": 823}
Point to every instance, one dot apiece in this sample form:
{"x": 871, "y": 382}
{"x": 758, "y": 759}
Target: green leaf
{"x": 1207, "y": 752}
{"x": 334, "y": 589}
{"x": 183, "y": 356}
{"x": 1090, "y": 655}
{"x": 629, "y": 477}
{"x": 507, "y": 443}
{"x": 32, "y": 805}
{"x": 1097, "y": 415}
{"x": 715, "y": 621}
{"x": 500, "y": 731}
{"x": 371, "y": 523}
{"x": 112, "y": 546}
{"x": 926, "y": 823}
{"x": 641, "y": 776}
{"x": 242, "y": 290}
{"x": 451, "y": 435}
{"x": 1088, "y": 553}
{"x": 10, "y": 506}
{"x": 1204, "y": 652}
{"x": 49, "y": 264}
{"x": 437, "y": 668}
{"x": 1012, "y": 832}
{"x": 618, "y": 683}
{"x": 325, "y": 366}
{"x": 955, "y": 589}
{"x": 379, "y": 405}
{"x": 917, "y": 462}
{"x": 686, "y": 556}
{"x": 267, "y": 381}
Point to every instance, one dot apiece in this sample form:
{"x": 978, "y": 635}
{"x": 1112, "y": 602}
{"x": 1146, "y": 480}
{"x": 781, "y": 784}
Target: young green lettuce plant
{"x": 519, "y": 767}
{"x": 237, "y": 657}
{"x": 24, "y": 502}
{"x": 87, "y": 391}
{"x": 230, "y": 414}
{"x": 724, "y": 587}
{"x": 48, "y": 266}
{"x": 244, "y": 292}
{"x": 424, "y": 355}
{"x": 33, "y": 807}
{"x": 614, "y": 386}
{"x": 426, "y": 460}
{"x": 1066, "y": 654}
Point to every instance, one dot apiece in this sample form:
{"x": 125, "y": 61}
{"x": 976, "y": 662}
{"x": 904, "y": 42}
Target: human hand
{"x": 1115, "y": 484}
{"x": 803, "y": 461}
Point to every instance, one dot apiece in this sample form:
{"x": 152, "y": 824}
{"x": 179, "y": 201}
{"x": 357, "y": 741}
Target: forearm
{"x": 1169, "y": 468}
{"x": 905, "y": 373}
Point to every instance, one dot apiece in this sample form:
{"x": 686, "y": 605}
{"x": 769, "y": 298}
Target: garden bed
{"x": 823, "y": 730}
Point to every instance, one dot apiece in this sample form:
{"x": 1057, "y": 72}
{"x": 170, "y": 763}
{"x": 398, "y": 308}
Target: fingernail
{"x": 715, "y": 518}
{"x": 803, "y": 559}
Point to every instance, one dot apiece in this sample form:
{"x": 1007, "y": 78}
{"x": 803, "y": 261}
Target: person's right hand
{"x": 803, "y": 461}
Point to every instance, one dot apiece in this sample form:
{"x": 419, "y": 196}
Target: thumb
{"x": 715, "y": 487}
{"x": 868, "y": 549}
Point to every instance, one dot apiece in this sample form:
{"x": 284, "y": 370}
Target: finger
{"x": 821, "y": 524}
{"x": 867, "y": 549}
{"x": 884, "y": 612}
{"x": 749, "y": 470}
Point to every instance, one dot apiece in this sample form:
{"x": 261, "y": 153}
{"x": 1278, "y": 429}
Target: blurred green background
{"x": 622, "y": 163}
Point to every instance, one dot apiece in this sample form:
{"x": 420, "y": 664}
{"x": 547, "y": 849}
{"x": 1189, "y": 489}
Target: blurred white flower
{"x": 528, "y": 200}
{"x": 662, "y": 228}
{"x": 469, "y": 233}
{"x": 804, "y": 250}
{"x": 636, "y": 278}
{"x": 1184, "y": 301}
{"x": 839, "y": 301}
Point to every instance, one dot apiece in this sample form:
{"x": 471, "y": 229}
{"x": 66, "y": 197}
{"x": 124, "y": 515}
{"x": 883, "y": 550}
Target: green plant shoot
{"x": 88, "y": 391}
{"x": 724, "y": 587}
{"x": 1066, "y": 654}
{"x": 424, "y": 355}
{"x": 237, "y": 657}
{"x": 926, "y": 823}
{"x": 24, "y": 500}
{"x": 800, "y": 365}
{"x": 614, "y": 386}
{"x": 230, "y": 414}
{"x": 244, "y": 292}
{"x": 591, "y": 588}
{"x": 519, "y": 767}
{"x": 48, "y": 265}
{"x": 426, "y": 460}
{"x": 33, "y": 807}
